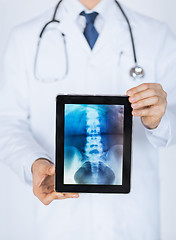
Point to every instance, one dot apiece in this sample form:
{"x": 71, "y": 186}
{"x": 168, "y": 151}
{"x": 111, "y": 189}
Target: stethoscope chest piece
{"x": 137, "y": 72}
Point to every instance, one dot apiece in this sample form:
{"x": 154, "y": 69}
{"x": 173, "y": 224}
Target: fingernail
{"x": 74, "y": 196}
{"x": 134, "y": 105}
{"x": 129, "y": 92}
{"x": 132, "y": 98}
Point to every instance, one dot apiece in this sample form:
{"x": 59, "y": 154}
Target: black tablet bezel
{"x": 84, "y": 99}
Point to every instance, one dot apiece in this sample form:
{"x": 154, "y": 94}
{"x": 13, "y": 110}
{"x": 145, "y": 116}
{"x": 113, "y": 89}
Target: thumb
{"x": 51, "y": 170}
{"x": 46, "y": 167}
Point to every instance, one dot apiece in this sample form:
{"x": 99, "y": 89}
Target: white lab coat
{"x": 27, "y": 121}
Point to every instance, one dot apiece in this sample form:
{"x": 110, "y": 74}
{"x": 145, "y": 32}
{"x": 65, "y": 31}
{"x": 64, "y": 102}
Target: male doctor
{"x": 100, "y": 57}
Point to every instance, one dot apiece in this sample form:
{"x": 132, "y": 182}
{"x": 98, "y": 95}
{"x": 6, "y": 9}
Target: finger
{"x": 146, "y": 112}
{"x": 71, "y": 195}
{"x": 47, "y": 189}
{"x": 143, "y": 87}
{"x": 47, "y": 168}
{"x": 43, "y": 183}
{"x": 42, "y": 180}
{"x": 143, "y": 95}
{"x": 48, "y": 184}
{"x": 42, "y": 190}
{"x": 40, "y": 185}
{"x": 37, "y": 180}
{"x": 51, "y": 170}
{"x": 49, "y": 180}
{"x": 146, "y": 102}
{"x": 46, "y": 199}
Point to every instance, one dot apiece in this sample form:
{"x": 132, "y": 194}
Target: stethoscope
{"x": 136, "y": 72}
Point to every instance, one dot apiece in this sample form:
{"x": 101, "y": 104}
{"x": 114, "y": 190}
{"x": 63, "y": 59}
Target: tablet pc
{"x": 93, "y": 144}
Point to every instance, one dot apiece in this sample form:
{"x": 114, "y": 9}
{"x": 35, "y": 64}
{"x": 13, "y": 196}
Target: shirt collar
{"x": 106, "y": 9}
{"x": 75, "y": 7}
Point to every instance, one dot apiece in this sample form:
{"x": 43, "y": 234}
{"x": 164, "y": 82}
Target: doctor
{"x": 89, "y": 51}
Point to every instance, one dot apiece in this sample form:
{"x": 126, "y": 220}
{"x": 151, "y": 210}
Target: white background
{"x": 17, "y": 203}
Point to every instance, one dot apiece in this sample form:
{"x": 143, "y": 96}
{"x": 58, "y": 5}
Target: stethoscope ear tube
{"x": 53, "y": 20}
{"x": 56, "y": 9}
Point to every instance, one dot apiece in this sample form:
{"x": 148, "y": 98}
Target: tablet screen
{"x": 93, "y": 144}
{"x": 93, "y": 147}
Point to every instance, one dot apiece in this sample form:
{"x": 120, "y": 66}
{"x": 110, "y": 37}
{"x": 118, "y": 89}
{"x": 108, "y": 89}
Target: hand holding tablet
{"x": 93, "y": 144}
{"x": 43, "y": 182}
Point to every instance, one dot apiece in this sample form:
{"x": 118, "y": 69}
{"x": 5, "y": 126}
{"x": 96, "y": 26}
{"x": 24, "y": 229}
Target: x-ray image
{"x": 93, "y": 152}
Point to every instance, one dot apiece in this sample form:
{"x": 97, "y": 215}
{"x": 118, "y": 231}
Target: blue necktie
{"x": 90, "y": 32}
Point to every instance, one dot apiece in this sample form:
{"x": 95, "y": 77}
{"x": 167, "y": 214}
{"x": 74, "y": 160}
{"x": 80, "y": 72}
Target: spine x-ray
{"x": 93, "y": 144}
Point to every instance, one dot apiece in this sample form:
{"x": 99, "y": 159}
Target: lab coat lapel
{"x": 69, "y": 27}
{"x": 116, "y": 33}
{"x": 116, "y": 29}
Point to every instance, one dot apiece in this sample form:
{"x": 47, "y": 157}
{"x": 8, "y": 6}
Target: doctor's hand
{"x": 43, "y": 182}
{"x": 149, "y": 102}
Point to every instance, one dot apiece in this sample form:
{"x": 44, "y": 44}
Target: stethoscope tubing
{"x": 135, "y": 72}
{"x": 130, "y": 30}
